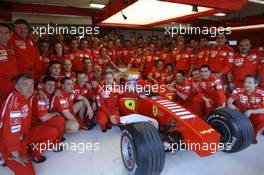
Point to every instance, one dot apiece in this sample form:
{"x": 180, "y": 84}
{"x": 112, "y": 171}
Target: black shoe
{"x": 263, "y": 133}
{"x": 39, "y": 159}
{"x": 62, "y": 139}
{"x": 86, "y": 128}
{"x": 2, "y": 163}
{"x": 58, "y": 149}
{"x": 104, "y": 129}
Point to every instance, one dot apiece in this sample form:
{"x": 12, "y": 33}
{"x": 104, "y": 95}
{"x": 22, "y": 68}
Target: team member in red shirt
{"x": 166, "y": 55}
{"x": 194, "y": 80}
{"x": 25, "y": 51}
{"x": 250, "y": 101}
{"x": 220, "y": 58}
{"x": 108, "y": 104}
{"x": 182, "y": 89}
{"x": 157, "y": 75}
{"x": 88, "y": 68}
{"x": 58, "y": 55}
{"x": 54, "y": 70}
{"x": 183, "y": 59}
{"x": 169, "y": 74}
{"x": 159, "y": 47}
{"x": 84, "y": 47}
{"x": 210, "y": 93}
{"x": 67, "y": 70}
{"x": 95, "y": 47}
{"x": 15, "y": 134}
{"x": 104, "y": 59}
{"x": 138, "y": 60}
{"x": 44, "y": 54}
{"x": 261, "y": 67}
{"x": 202, "y": 53}
{"x": 43, "y": 119}
{"x": 75, "y": 55}
{"x": 82, "y": 87}
{"x": 126, "y": 54}
{"x": 8, "y": 66}
{"x": 151, "y": 59}
{"x": 111, "y": 51}
{"x": 74, "y": 107}
{"x": 96, "y": 79}
{"x": 245, "y": 62}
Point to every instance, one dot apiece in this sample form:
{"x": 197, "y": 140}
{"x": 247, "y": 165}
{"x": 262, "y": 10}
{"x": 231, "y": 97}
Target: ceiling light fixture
{"x": 257, "y": 26}
{"x": 257, "y": 1}
{"x": 148, "y": 12}
{"x": 95, "y": 5}
{"x": 220, "y": 14}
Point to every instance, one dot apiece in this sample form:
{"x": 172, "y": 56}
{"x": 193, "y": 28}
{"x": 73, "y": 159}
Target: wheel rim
{"x": 128, "y": 153}
{"x": 223, "y": 129}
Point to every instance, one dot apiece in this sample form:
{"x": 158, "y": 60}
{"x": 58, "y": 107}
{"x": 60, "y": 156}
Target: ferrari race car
{"x": 153, "y": 124}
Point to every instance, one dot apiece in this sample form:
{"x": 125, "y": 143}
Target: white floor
{"x": 108, "y": 161}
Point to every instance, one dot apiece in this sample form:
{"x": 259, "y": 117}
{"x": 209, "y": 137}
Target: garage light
{"x": 257, "y": 1}
{"x": 257, "y": 26}
{"x": 98, "y": 6}
{"x": 144, "y": 12}
{"x": 220, "y": 14}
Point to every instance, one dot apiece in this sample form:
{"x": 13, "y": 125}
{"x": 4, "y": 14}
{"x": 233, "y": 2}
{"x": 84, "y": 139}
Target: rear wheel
{"x": 235, "y": 128}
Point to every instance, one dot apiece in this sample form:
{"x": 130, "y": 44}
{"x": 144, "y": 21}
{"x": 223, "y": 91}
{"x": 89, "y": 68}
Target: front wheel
{"x": 142, "y": 149}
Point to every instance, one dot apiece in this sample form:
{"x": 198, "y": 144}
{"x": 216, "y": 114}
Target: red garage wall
{"x": 256, "y": 37}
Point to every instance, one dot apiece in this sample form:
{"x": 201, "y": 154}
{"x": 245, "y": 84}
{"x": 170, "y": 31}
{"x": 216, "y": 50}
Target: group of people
{"x": 50, "y": 85}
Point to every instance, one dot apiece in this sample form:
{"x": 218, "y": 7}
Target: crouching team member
{"x": 73, "y": 107}
{"x": 43, "y": 119}
{"x": 250, "y": 101}
{"x": 210, "y": 93}
{"x": 15, "y": 134}
{"x": 182, "y": 89}
{"x": 108, "y": 104}
{"x": 84, "y": 88}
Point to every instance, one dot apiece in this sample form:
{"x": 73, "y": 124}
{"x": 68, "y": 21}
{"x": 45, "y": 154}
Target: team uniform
{"x": 44, "y": 60}
{"x": 211, "y": 88}
{"x": 220, "y": 60}
{"x": 8, "y": 72}
{"x": 183, "y": 61}
{"x": 42, "y": 108}
{"x": 137, "y": 62}
{"x": 64, "y": 102}
{"x": 83, "y": 91}
{"x": 76, "y": 58}
{"x": 102, "y": 61}
{"x": 27, "y": 55}
{"x": 108, "y": 104}
{"x": 261, "y": 68}
{"x": 16, "y": 133}
{"x": 159, "y": 75}
{"x": 201, "y": 57}
{"x": 150, "y": 62}
{"x": 185, "y": 89}
{"x": 55, "y": 57}
{"x": 244, "y": 65}
{"x": 245, "y": 101}
{"x": 166, "y": 57}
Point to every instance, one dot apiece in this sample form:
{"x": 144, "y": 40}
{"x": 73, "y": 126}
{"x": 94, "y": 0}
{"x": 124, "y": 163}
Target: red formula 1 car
{"x": 153, "y": 124}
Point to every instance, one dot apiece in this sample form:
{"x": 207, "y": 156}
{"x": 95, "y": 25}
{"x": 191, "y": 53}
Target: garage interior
{"x": 149, "y": 18}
